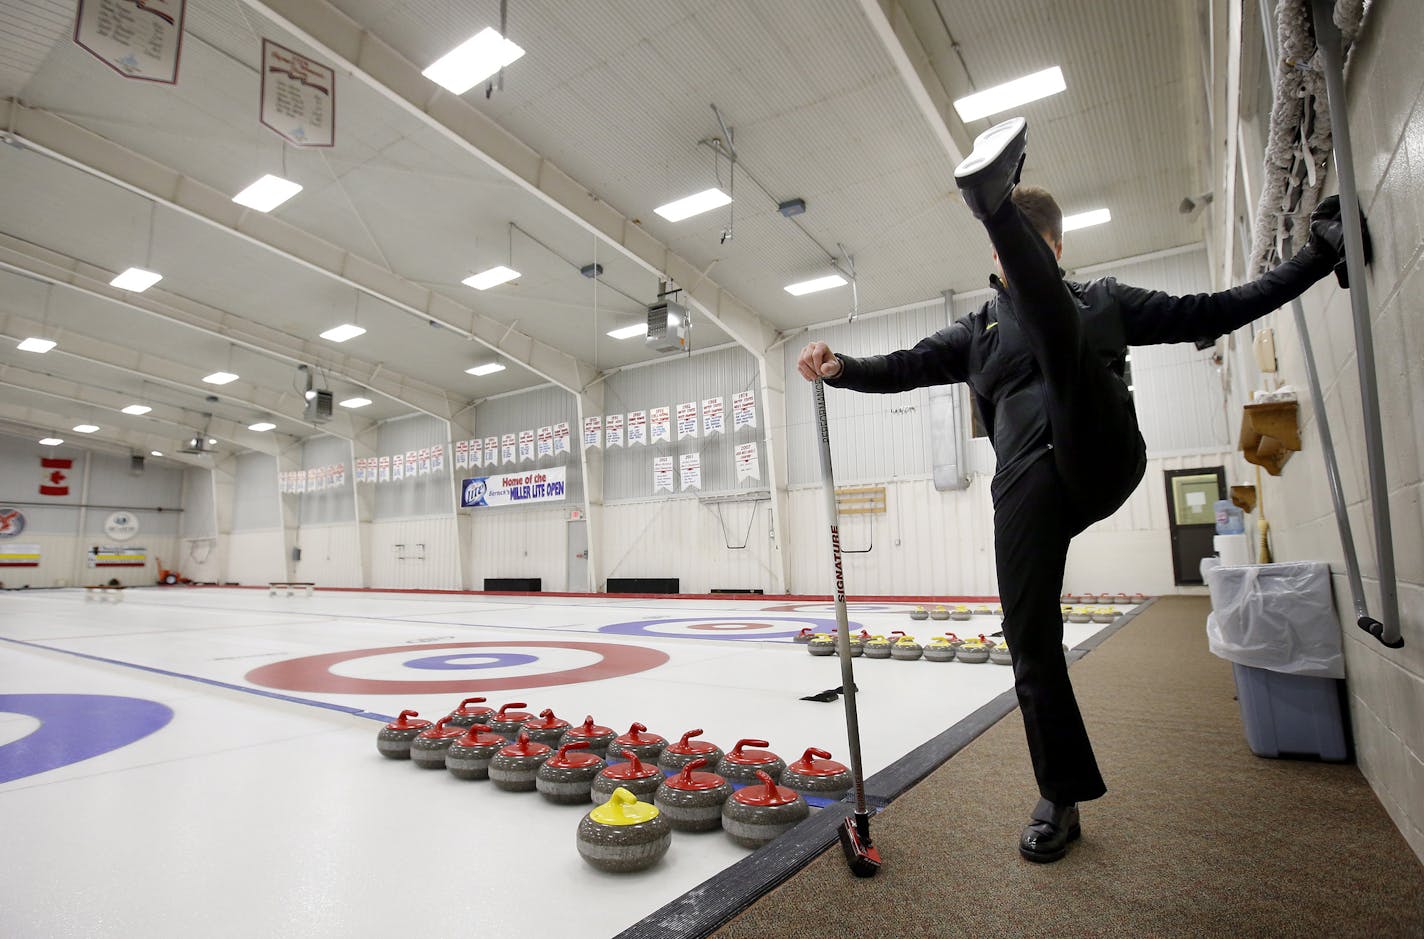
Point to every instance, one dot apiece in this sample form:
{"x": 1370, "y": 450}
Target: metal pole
{"x": 842, "y": 620}
{"x": 1327, "y": 38}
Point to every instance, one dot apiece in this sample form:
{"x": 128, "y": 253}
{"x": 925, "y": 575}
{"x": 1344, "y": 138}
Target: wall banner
{"x": 544, "y": 485}
{"x": 298, "y": 97}
{"x": 19, "y": 555}
{"x": 137, "y": 40}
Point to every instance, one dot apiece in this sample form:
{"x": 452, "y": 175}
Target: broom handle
{"x": 842, "y": 621}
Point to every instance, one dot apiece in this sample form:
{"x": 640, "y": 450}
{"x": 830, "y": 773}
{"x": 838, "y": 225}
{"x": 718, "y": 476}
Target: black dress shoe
{"x": 1049, "y": 832}
{"x": 988, "y": 175}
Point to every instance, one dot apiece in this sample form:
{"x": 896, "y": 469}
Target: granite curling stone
{"x": 1104, "y": 615}
{"x": 469, "y": 755}
{"x": 567, "y": 777}
{"x": 999, "y": 654}
{"x": 466, "y": 715}
{"x": 677, "y": 755}
{"x": 546, "y": 728}
{"x": 919, "y": 613}
{"x": 1122, "y": 599}
{"x": 514, "y": 767}
{"x": 1079, "y": 615}
{"x": 509, "y": 723}
{"x": 741, "y": 765}
{"x": 393, "y": 741}
{"x": 428, "y": 748}
{"x": 758, "y": 814}
{"x": 816, "y": 774}
{"x": 596, "y": 736}
{"x": 623, "y": 835}
{"x": 641, "y": 779}
{"x": 805, "y": 635}
{"x": 973, "y": 652}
{"x": 692, "y": 801}
{"x": 905, "y": 649}
{"x": 939, "y": 649}
{"x": 960, "y": 613}
{"x": 822, "y": 645}
{"x": 877, "y": 647}
{"x": 939, "y": 613}
{"x": 647, "y": 746}
{"x": 857, "y": 643}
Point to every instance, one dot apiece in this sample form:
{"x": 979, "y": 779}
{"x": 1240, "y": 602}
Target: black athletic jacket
{"x": 1007, "y": 387}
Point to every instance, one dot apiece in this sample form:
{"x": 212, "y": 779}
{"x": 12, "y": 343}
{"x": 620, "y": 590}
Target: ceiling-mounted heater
{"x": 318, "y": 400}
{"x": 668, "y": 323}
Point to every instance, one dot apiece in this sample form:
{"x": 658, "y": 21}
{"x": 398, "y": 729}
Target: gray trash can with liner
{"x": 1277, "y": 626}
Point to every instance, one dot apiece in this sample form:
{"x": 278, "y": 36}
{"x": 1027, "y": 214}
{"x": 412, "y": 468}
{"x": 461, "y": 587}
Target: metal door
{"x": 577, "y": 566}
{"x": 1191, "y": 517}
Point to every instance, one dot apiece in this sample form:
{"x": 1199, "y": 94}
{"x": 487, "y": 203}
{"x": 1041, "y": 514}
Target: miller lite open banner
{"x": 542, "y": 485}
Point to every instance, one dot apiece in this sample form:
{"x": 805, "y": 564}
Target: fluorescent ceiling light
{"x": 267, "y": 193}
{"x": 355, "y": 402}
{"x": 51, "y": 441}
{"x": 212, "y": 442}
{"x": 155, "y": 453}
{"x": 820, "y": 283}
{"x": 261, "y": 426}
{"x": 85, "y": 428}
{"x": 35, "y": 344}
{"x": 137, "y": 409}
{"x": 628, "y": 332}
{"x": 136, "y": 279}
{"x": 343, "y": 332}
{"x": 489, "y": 368}
{"x": 1011, "y": 94}
{"x": 695, "y": 204}
{"x": 220, "y": 378}
{"x": 472, "y": 61}
{"x": 1086, "y": 219}
{"x": 493, "y": 277}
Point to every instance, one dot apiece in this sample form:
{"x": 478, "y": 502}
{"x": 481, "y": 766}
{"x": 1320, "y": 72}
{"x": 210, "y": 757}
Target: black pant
{"x": 1093, "y": 466}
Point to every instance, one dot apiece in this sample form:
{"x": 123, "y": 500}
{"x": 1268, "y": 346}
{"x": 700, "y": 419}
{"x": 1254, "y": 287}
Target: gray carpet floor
{"x": 1196, "y": 837}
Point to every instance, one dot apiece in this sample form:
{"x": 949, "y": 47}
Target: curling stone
{"x": 1079, "y": 614}
{"x": 637, "y": 739}
{"x": 805, "y": 635}
{"x": 822, "y": 645}
{"x": 1104, "y": 615}
{"x": 757, "y": 814}
{"x": 960, "y": 613}
{"x": 857, "y": 643}
{"x": 939, "y": 613}
{"x": 877, "y": 647}
{"x": 906, "y": 649}
{"x": 566, "y": 777}
{"x": 428, "y": 748}
{"x": 509, "y": 723}
{"x": 677, "y": 755}
{"x": 469, "y": 755}
{"x": 641, "y": 779}
{"x": 816, "y": 774}
{"x": 973, "y": 652}
{"x": 596, "y": 736}
{"x": 514, "y": 767}
{"x": 741, "y": 765}
{"x": 999, "y": 654}
{"x": 1122, "y": 599}
{"x": 939, "y": 650}
{"x": 394, "y": 739}
{"x": 1066, "y": 610}
{"x": 692, "y": 801}
{"x": 981, "y": 611}
{"x": 466, "y": 715}
{"x": 623, "y": 834}
{"x": 546, "y": 728}
{"x": 919, "y": 612}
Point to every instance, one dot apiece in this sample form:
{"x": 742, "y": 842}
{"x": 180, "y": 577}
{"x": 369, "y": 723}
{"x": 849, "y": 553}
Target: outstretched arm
{"x": 935, "y": 360}
{"x": 1150, "y": 316}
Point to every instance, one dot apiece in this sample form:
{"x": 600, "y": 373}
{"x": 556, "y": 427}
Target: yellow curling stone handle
{"x": 623, "y": 808}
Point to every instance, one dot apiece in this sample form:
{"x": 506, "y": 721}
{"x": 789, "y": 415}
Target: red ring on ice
{"x": 313, "y": 672}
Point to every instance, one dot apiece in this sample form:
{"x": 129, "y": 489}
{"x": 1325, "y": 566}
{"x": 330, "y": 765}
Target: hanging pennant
{"x": 526, "y": 445}
{"x": 491, "y": 451}
{"x": 744, "y": 410}
{"x": 748, "y": 465}
{"x": 712, "y": 416}
{"x": 437, "y": 458}
{"x": 690, "y": 465}
{"x": 561, "y": 437}
{"x": 660, "y": 419}
{"x": 637, "y": 428}
{"x": 613, "y": 430}
{"x": 462, "y": 454}
{"x": 412, "y": 463}
{"x": 476, "y": 452}
{"x": 385, "y": 469}
{"x": 340, "y": 476}
{"x": 137, "y": 40}
{"x": 398, "y": 467}
{"x": 423, "y": 461}
{"x": 662, "y": 474}
{"x": 687, "y": 419}
{"x": 298, "y": 97}
{"x": 592, "y": 432}
{"x": 546, "y": 441}
{"x": 507, "y": 448}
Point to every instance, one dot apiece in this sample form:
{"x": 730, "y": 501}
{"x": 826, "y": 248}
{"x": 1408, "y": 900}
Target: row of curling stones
{"x": 1105, "y": 598}
{"x": 958, "y": 613}
{"x": 946, "y": 648}
{"x": 1089, "y": 614}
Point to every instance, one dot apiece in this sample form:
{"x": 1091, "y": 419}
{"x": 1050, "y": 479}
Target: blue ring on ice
{"x": 470, "y": 660}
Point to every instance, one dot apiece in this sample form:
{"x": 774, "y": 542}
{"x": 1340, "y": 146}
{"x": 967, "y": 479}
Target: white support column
{"x": 462, "y": 427}
{"x": 363, "y": 446}
{"x": 772, "y": 391}
{"x": 590, "y": 403}
{"x": 289, "y": 458}
{"x": 224, "y": 488}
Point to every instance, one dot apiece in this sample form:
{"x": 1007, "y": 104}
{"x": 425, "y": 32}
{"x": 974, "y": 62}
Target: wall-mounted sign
{"x": 12, "y": 522}
{"x": 117, "y": 556}
{"x": 298, "y": 97}
{"x": 140, "y": 39}
{"x": 19, "y": 555}
{"x": 544, "y": 485}
{"x": 121, "y": 526}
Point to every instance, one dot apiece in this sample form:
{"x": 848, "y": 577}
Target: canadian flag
{"x": 54, "y": 476}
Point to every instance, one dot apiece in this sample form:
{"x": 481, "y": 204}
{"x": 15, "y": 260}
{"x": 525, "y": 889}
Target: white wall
{"x": 415, "y": 554}
{"x": 327, "y": 533}
{"x": 685, "y": 538}
{"x": 201, "y": 554}
{"x": 521, "y": 541}
{"x": 1386, "y": 686}
{"x": 256, "y": 548}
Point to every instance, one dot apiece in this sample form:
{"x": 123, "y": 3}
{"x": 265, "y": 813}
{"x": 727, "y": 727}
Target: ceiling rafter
{"x": 20, "y": 419}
